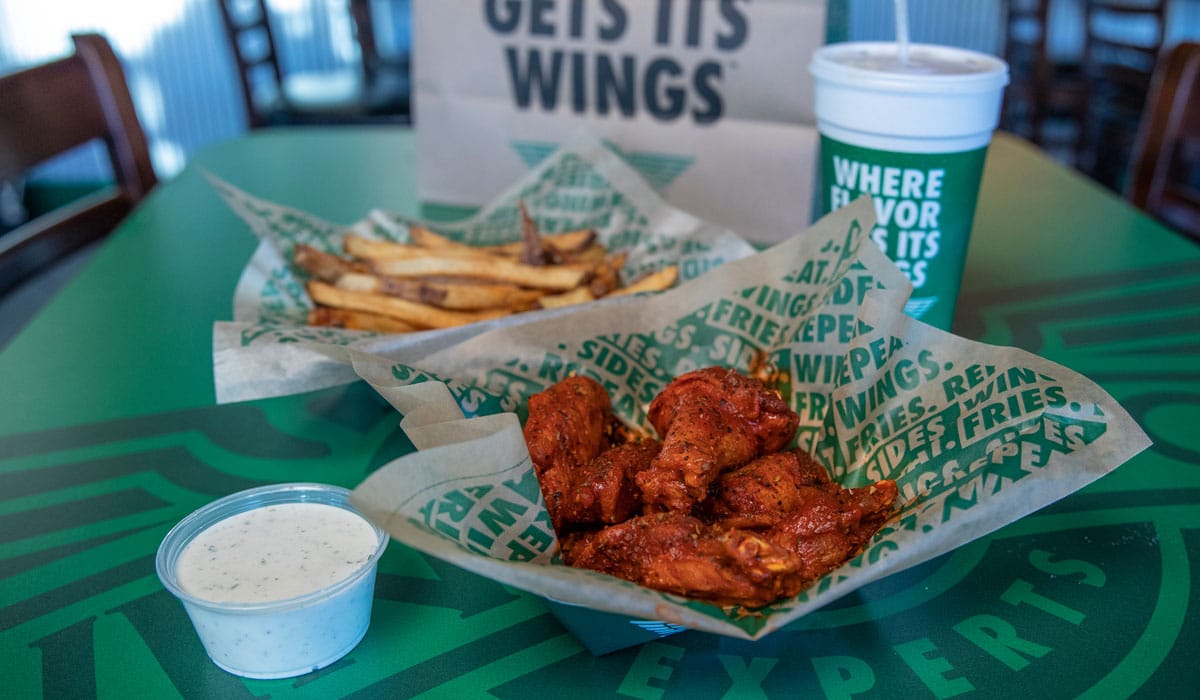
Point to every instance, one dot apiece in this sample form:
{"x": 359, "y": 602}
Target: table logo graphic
{"x": 1106, "y": 578}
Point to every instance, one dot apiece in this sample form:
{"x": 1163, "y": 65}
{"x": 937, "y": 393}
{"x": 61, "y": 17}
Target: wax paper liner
{"x": 585, "y": 183}
{"x": 976, "y": 436}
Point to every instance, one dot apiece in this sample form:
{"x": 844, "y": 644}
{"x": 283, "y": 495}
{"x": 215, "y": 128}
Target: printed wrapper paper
{"x": 586, "y": 183}
{"x": 975, "y": 436}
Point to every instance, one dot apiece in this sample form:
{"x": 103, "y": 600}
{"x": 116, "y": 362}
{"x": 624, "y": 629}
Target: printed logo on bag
{"x": 569, "y": 55}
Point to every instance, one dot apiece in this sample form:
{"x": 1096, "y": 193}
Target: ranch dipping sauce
{"x": 277, "y": 580}
{"x": 275, "y": 553}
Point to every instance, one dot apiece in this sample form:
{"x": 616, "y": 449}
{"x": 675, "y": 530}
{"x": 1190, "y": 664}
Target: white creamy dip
{"x": 275, "y": 553}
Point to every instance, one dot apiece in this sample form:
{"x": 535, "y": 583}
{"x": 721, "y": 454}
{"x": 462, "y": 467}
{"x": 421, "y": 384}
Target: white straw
{"x": 902, "y": 29}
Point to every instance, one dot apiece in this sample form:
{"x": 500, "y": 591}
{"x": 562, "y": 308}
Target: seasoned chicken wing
{"x": 832, "y": 524}
{"x": 760, "y": 493}
{"x": 708, "y": 420}
{"x": 567, "y": 427}
{"x": 603, "y": 491}
{"x": 568, "y": 423}
{"x": 715, "y": 511}
{"x": 677, "y": 553}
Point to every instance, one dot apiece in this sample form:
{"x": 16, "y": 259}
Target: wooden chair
{"x": 1122, "y": 41}
{"x": 275, "y": 96}
{"x": 1046, "y": 97}
{"x": 53, "y": 108}
{"x": 1165, "y": 172}
{"x": 388, "y": 77}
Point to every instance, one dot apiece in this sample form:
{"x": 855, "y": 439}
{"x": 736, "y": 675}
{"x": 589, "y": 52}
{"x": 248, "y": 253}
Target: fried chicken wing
{"x": 604, "y": 491}
{"x": 760, "y": 493}
{"x": 766, "y": 522}
{"x": 568, "y": 423}
{"x": 832, "y": 524}
{"x": 710, "y": 419}
{"x": 677, "y": 553}
{"x": 567, "y": 427}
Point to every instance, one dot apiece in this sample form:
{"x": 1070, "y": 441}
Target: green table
{"x": 109, "y": 435}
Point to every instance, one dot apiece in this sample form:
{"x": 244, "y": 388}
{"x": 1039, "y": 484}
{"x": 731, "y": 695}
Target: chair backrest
{"x": 387, "y": 77}
{"x": 1047, "y": 97}
{"x": 248, "y": 29}
{"x": 363, "y": 17}
{"x": 1165, "y": 170}
{"x": 1122, "y": 40}
{"x": 51, "y": 109}
{"x": 1125, "y": 33}
{"x": 274, "y": 96}
{"x": 1025, "y": 24}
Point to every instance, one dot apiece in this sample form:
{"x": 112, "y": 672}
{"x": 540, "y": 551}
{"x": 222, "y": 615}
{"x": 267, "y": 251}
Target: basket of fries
{"x": 581, "y": 228}
{"x": 435, "y": 282}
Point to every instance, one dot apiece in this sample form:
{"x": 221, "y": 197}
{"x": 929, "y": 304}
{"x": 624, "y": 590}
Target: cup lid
{"x": 930, "y": 68}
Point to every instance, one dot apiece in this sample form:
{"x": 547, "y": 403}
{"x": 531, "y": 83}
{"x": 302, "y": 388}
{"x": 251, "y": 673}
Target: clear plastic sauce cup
{"x": 278, "y": 581}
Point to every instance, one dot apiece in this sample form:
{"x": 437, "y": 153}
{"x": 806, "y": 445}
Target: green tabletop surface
{"x": 110, "y": 434}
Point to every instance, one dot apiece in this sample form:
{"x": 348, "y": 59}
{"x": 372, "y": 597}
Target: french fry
{"x": 607, "y": 276}
{"x": 572, "y": 246}
{"x": 653, "y": 282}
{"x": 593, "y": 255}
{"x": 326, "y": 267}
{"x": 404, "y": 260}
{"x": 357, "y": 320}
{"x": 533, "y": 250}
{"x": 462, "y": 295}
{"x": 436, "y": 282}
{"x": 578, "y": 295}
{"x": 491, "y": 268}
{"x": 482, "y": 296}
{"x": 358, "y": 282}
{"x": 565, "y": 243}
{"x": 572, "y": 241}
{"x": 368, "y": 249}
{"x": 423, "y": 237}
{"x": 416, "y": 314}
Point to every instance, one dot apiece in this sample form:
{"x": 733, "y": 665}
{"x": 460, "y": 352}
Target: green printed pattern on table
{"x": 1094, "y": 596}
{"x": 988, "y": 617}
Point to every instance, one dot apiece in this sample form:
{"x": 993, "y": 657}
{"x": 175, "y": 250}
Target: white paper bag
{"x": 711, "y": 101}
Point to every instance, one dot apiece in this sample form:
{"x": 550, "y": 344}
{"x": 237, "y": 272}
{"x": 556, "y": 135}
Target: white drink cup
{"x": 913, "y": 135}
